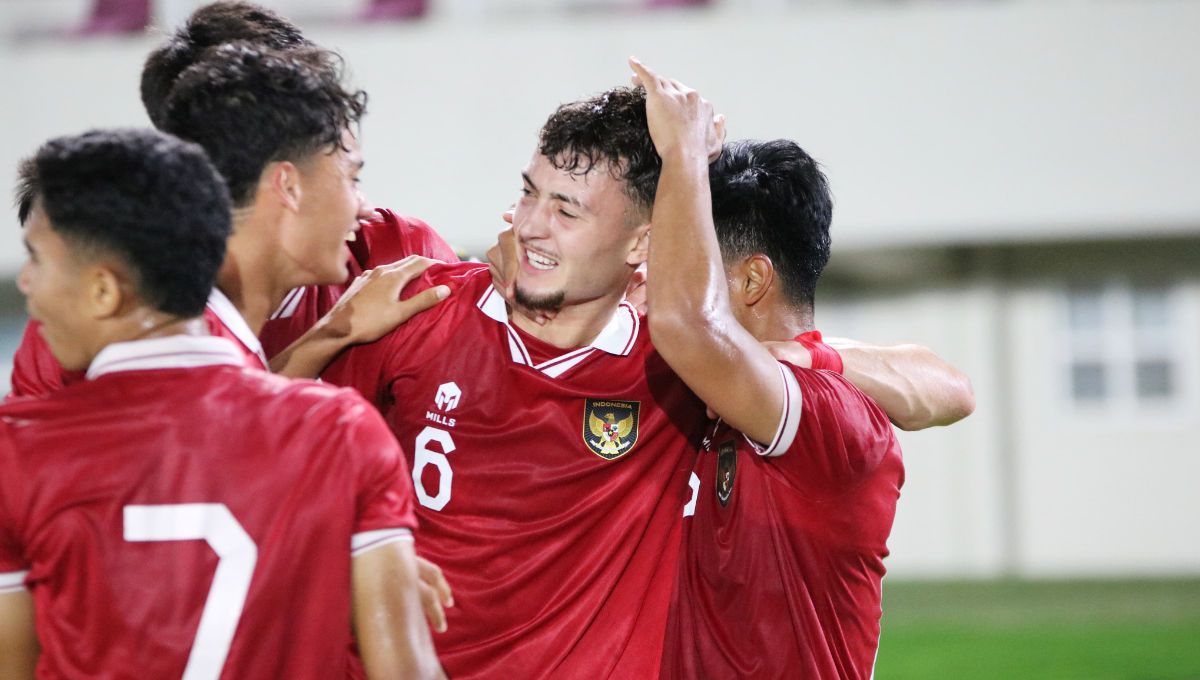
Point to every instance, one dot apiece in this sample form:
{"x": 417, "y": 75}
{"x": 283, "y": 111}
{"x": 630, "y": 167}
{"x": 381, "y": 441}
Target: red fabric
{"x": 299, "y": 465}
{"x": 783, "y": 579}
{"x": 36, "y": 373}
{"x": 824, "y": 357}
{"x": 386, "y": 238}
{"x": 561, "y": 561}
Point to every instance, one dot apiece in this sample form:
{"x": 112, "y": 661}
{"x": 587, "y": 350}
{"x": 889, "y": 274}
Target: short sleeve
{"x": 13, "y": 565}
{"x": 36, "y": 372}
{"x": 384, "y": 510}
{"x": 840, "y": 436}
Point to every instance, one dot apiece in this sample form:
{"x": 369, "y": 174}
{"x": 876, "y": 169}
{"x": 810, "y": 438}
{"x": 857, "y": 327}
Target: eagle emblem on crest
{"x": 610, "y": 428}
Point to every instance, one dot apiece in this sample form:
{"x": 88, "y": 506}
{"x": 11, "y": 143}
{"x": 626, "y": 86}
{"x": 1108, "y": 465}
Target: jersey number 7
{"x": 236, "y": 557}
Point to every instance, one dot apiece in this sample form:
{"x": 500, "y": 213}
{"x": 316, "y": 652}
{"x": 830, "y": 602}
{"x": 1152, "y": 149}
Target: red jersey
{"x": 37, "y": 373}
{"x": 178, "y": 511}
{"x": 783, "y": 550}
{"x": 549, "y": 491}
{"x": 383, "y": 239}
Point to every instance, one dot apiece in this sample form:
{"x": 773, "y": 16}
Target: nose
{"x": 365, "y": 208}
{"x": 24, "y": 280}
{"x": 531, "y": 222}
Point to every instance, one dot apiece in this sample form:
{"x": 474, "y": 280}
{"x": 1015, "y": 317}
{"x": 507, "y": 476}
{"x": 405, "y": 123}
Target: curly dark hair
{"x": 607, "y": 128}
{"x": 772, "y": 198}
{"x": 211, "y": 25}
{"x": 249, "y": 105}
{"x": 150, "y": 200}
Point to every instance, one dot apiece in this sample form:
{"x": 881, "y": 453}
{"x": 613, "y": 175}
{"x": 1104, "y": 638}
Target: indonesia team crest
{"x": 726, "y": 471}
{"x": 610, "y": 428}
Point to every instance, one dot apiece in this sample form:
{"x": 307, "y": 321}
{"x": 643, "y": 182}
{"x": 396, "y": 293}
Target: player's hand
{"x": 680, "y": 120}
{"x": 504, "y": 259}
{"x": 372, "y": 306}
{"x": 790, "y": 351}
{"x": 435, "y": 593}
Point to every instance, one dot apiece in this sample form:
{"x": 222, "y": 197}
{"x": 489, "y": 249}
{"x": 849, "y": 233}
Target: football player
{"x": 177, "y": 513}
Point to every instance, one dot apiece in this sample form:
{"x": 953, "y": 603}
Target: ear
{"x": 282, "y": 180}
{"x": 106, "y": 291}
{"x": 758, "y": 275}
{"x": 641, "y": 246}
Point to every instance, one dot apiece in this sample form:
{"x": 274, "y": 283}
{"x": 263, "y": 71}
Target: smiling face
{"x": 577, "y": 235}
{"x": 329, "y": 209}
{"x": 54, "y": 282}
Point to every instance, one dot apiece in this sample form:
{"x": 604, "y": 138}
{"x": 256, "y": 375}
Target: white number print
{"x": 424, "y": 456}
{"x": 236, "y": 557}
{"x": 694, "y": 484}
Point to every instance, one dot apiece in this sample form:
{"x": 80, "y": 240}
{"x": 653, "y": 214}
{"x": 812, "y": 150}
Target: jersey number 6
{"x": 425, "y": 456}
{"x": 236, "y": 557}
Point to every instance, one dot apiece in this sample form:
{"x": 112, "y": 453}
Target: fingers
{"x": 422, "y": 301}
{"x": 433, "y": 608}
{"x": 435, "y": 593}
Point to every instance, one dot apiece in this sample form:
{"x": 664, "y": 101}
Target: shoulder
{"x": 389, "y": 236}
{"x": 467, "y": 278}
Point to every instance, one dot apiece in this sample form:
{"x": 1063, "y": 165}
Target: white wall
{"x": 963, "y": 122}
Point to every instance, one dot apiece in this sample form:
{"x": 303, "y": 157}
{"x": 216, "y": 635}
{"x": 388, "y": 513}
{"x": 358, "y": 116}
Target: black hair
{"x": 771, "y": 198}
{"x": 211, "y": 25}
{"x": 249, "y": 105}
{"x": 609, "y": 128}
{"x": 150, "y": 200}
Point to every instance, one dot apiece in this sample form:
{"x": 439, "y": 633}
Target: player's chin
{"x": 335, "y": 271}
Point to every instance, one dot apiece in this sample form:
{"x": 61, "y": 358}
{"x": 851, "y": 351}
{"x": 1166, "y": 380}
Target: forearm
{"x": 915, "y": 387}
{"x": 691, "y": 323}
{"x": 18, "y": 642}
{"x": 687, "y": 286}
{"x": 389, "y": 624}
{"x": 312, "y": 352}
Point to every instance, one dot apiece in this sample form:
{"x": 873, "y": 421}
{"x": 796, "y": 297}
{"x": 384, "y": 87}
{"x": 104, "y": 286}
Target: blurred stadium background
{"x": 1016, "y": 185}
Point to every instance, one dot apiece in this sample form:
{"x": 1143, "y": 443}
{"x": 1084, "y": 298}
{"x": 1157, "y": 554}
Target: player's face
{"x": 575, "y": 241}
{"x": 330, "y": 206}
{"x": 53, "y": 282}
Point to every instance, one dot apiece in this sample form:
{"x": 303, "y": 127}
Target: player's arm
{"x": 389, "y": 623}
{"x": 18, "y": 641}
{"x": 370, "y": 308}
{"x": 912, "y": 384}
{"x": 690, "y": 318}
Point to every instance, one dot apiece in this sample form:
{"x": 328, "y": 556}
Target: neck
{"x": 254, "y": 289}
{"x": 574, "y": 325}
{"x": 143, "y": 324}
{"x": 773, "y": 320}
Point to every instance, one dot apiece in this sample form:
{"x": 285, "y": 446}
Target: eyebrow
{"x": 557, "y": 196}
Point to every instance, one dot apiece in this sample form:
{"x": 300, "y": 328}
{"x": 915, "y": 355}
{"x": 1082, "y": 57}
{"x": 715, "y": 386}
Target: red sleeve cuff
{"x": 824, "y": 357}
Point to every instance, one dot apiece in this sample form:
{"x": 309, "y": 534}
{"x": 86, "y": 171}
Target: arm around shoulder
{"x": 911, "y": 383}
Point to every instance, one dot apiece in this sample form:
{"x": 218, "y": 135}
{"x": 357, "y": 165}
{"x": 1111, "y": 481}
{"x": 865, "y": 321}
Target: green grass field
{"x": 1069, "y": 630}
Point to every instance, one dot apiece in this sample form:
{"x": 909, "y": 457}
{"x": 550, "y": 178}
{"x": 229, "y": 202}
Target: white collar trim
{"x": 235, "y": 322}
{"x": 617, "y": 338}
{"x": 173, "y": 351}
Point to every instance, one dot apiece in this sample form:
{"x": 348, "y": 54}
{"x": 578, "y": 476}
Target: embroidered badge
{"x": 726, "y": 470}
{"x": 610, "y": 427}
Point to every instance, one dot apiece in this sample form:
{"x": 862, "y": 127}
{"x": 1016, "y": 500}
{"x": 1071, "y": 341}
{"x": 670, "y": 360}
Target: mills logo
{"x": 447, "y": 397}
{"x": 610, "y": 428}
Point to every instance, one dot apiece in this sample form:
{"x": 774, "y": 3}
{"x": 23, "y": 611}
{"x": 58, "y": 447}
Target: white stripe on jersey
{"x": 369, "y": 540}
{"x": 789, "y": 420}
{"x": 12, "y": 582}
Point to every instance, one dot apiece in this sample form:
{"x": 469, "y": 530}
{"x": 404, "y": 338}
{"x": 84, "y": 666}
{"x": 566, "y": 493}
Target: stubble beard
{"x": 546, "y": 302}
